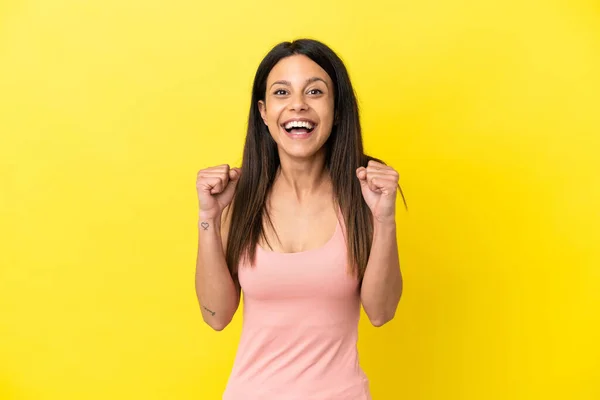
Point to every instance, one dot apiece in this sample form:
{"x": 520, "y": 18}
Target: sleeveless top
{"x": 300, "y": 327}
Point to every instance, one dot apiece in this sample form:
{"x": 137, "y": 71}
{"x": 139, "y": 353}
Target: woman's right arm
{"x": 218, "y": 292}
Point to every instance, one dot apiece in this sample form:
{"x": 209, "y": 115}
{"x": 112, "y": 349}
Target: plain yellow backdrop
{"x": 488, "y": 109}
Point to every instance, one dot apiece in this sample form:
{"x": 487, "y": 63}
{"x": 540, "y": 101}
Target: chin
{"x": 301, "y": 151}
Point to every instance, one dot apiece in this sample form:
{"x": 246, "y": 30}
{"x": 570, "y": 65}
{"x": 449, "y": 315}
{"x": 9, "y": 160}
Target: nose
{"x": 298, "y": 102}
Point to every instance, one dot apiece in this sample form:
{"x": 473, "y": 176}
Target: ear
{"x": 262, "y": 107}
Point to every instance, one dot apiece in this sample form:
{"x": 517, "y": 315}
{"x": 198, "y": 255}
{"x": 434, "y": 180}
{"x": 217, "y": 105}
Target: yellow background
{"x": 488, "y": 109}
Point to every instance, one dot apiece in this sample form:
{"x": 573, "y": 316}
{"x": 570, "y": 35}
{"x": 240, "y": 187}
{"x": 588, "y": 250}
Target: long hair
{"x": 344, "y": 154}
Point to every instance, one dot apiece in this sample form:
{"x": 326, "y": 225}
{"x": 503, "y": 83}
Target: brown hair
{"x": 344, "y": 154}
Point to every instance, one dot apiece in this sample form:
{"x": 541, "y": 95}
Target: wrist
{"x": 207, "y": 217}
{"x": 384, "y": 223}
{"x": 387, "y": 220}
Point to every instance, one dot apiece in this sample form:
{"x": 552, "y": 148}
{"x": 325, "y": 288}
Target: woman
{"x": 308, "y": 235}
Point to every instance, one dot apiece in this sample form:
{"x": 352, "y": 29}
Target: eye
{"x": 315, "y": 91}
{"x": 280, "y": 92}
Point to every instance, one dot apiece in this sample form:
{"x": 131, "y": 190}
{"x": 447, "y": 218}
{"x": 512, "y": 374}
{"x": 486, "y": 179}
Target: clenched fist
{"x": 215, "y": 186}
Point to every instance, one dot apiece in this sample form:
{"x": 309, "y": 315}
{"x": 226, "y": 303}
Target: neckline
{"x": 322, "y": 247}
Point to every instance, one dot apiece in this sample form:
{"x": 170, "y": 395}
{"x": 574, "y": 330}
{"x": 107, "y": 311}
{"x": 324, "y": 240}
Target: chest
{"x": 319, "y": 273}
{"x": 293, "y": 232}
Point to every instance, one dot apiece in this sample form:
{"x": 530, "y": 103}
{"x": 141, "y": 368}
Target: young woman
{"x": 305, "y": 229}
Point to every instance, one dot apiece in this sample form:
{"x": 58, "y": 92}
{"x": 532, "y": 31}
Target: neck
{"x": 302, "y": 178}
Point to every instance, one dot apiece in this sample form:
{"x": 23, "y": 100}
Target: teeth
{"x": 298, "y": 124}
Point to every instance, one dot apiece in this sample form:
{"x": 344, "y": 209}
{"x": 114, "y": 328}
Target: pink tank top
{"x": 300, "y": 327}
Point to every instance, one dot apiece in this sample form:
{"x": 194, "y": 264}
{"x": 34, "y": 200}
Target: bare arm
{"x": 217, "y": 291}
{"x": 382, "y": 283}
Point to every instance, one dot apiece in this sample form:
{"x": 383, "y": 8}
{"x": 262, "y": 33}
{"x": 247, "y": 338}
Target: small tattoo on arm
{"x": 204, "y": 225}
{"x": 210, "y": 311}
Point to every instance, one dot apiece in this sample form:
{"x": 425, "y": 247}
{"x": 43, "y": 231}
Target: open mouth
{"x": 299, "y": 127}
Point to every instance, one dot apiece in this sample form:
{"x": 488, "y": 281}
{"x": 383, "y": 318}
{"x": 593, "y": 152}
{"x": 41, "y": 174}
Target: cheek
{"x": 327, "y": 109}
{"x": 328, "y": 115}
{"x": 273, "y": 112}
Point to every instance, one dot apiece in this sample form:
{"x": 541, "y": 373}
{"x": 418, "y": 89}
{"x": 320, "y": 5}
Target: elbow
{"x": 382, "y": 314}
{"x": 218, "y": 325}
{"x": 219, "y": 321}
{"x": 377, "y": 323}
{"x": 380, "y": 320}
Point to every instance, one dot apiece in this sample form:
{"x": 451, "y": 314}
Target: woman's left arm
{"x": 382, "y": 283}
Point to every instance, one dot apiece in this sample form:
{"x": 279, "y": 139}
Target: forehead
{"x": 297, "y": 69}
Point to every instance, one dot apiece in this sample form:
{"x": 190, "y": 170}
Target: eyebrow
{"x": 310, "y": 80}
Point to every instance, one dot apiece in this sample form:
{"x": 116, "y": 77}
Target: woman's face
{"x": 298, "y": 106}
